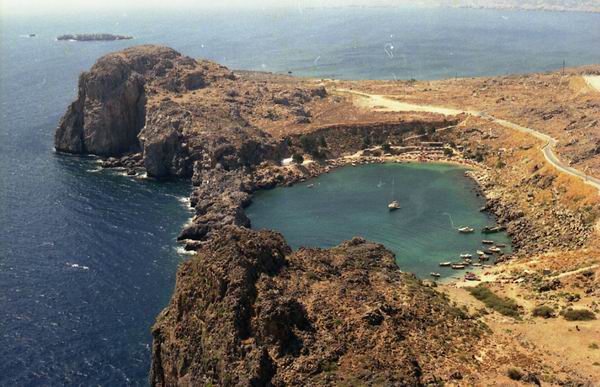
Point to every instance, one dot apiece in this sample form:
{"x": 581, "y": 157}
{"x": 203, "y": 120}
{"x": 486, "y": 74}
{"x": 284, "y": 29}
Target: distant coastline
{"x": 590, "y": 7}
{"x": 93, "y": 37}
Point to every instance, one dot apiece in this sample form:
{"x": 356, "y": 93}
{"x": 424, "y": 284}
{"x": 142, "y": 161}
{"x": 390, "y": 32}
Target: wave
{"x": 78, "y": 266}
{"x": 182, "y": 251}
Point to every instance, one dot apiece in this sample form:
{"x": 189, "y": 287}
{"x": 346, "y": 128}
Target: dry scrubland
{"x": 545, "y": 301}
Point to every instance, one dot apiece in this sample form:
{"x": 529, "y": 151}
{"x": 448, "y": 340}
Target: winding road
{"x": 382, "y": 103}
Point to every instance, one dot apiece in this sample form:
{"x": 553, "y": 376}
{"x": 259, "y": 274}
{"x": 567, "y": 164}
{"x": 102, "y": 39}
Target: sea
{"x": 88, "y": 257}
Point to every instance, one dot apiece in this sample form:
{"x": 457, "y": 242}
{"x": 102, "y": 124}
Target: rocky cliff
{"x": 176, "y": 111}
{"x": 248, "y": 311}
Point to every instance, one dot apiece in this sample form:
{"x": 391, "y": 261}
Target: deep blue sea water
{"x": 87, "y": 259}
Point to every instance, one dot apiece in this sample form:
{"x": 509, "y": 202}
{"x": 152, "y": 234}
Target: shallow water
{"x": 436, "y": 199}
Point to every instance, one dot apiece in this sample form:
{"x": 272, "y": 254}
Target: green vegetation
{"x": 387, "y": 148}
{"x": 593, "y": 346}
{"x": 578, "y": 314}
{"x": 309, "y": 144}
{"x": 514, "y": 374}
{"x": 448, "y": 152}
{"x": 297, "y": 158}
{"x": 544, "y": 311}
{"x": 322, "y": 142}
{"x": 505, "y": 306}
{"x": 366, "y": 141}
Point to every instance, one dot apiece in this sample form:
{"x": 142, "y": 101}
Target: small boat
{"x": 484, "y": 257}
{"x": 466, "y": 230}
{"x": 487, "y": 266}
{"x": 458, "y": 266}
{"x": 444, "y": 264}
{"x": 480, "y": 253}
{"x": 395, "y": 205}
{"x": 477, "y": 264}
{"x": 500, "y": 245}
{"x": 310, "y": 186}
{"x": 491, "y": 230}
{"x": 487, "y": 242}
{"x": 471, "y": 277}
{"x": 466, "y": 256}
{"x": 495, "y": 249}
{"x": 436, "y": 275}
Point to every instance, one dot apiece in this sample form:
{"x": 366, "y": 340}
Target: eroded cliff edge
{"x": 248, "y": 311}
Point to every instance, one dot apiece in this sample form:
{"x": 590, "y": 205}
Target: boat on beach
{"x": 471, "y": 277}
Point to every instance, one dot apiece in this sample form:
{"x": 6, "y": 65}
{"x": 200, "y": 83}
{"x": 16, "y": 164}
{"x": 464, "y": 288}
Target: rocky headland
{"x": 246, "y": 309}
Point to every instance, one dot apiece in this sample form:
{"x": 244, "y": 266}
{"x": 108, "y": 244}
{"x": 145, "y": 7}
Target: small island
{"x": 92, "y": 37}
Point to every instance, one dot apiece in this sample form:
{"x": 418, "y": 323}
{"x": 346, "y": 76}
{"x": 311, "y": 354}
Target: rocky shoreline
{"x": 246, "y": 309}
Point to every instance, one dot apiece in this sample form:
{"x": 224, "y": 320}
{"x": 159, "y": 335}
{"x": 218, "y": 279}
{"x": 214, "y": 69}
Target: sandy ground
{"x": 561, "y": 343}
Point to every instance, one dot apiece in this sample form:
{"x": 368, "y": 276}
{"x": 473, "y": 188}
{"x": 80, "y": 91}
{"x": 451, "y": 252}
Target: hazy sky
{"x": 39, "y": 6}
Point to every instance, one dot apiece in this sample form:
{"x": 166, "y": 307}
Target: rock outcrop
{"x": 247, "y": 311}
{"x": 175, "y": 110}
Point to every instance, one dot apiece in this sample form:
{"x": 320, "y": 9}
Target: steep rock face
{"x": 177, "y": 111}
{"x": 247, "y": 311}
{"x": 109, "y": 111}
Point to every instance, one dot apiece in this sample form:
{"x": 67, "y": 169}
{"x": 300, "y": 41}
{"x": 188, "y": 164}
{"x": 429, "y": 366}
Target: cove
{"x": 436, "y": 200}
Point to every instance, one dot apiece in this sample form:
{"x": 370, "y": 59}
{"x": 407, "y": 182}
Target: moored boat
{"x": 466, "y": 256}
{"x": 458, "y": 266}
{"x": 395, "y": 205}
{"x": 491, "y": 230}
{"x": 487, "y": 242}
{"x": 495, "y": 249}
{"x": 436, "y": 275}
{"x": 466, "y": 230}
{"x": 444, "y": 264}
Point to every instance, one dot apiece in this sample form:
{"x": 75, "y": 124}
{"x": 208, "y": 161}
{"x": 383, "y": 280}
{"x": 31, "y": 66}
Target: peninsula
{"x": 93, "y": 37}
{"x": 247, "y": 310}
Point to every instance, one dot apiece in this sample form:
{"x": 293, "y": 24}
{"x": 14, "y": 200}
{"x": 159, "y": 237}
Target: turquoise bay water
{"x": 436, "y": 199}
